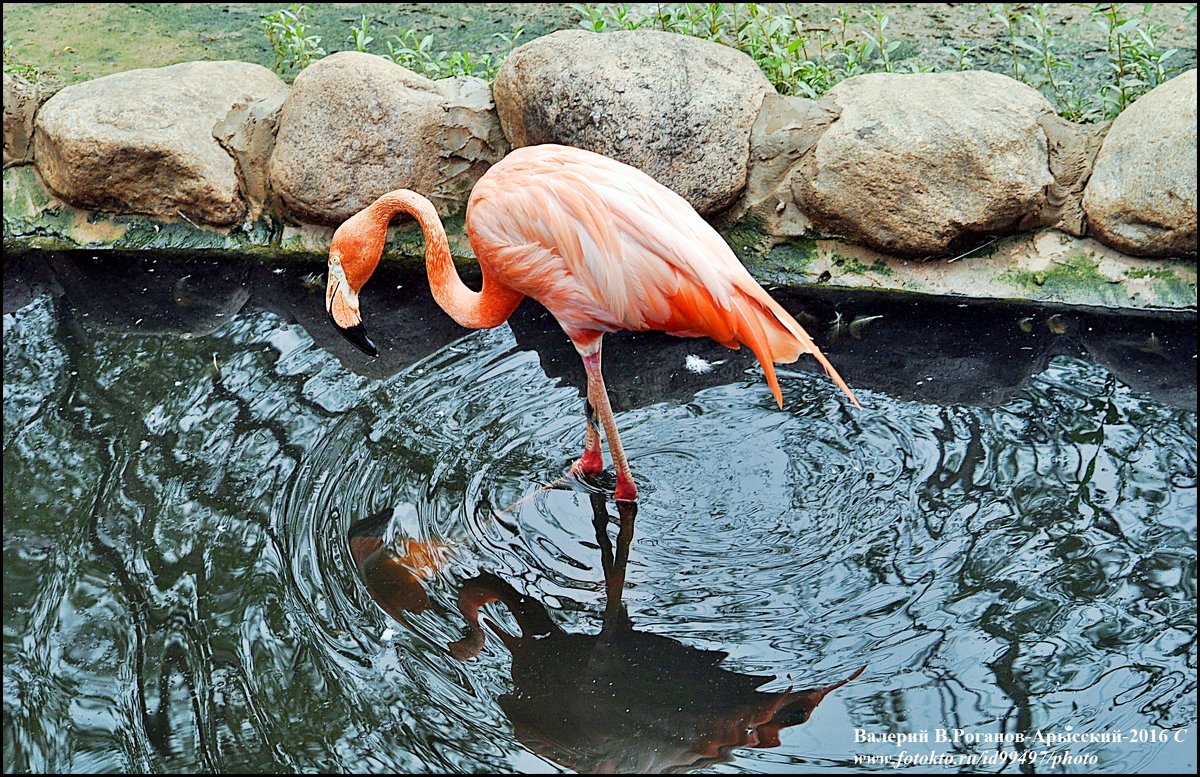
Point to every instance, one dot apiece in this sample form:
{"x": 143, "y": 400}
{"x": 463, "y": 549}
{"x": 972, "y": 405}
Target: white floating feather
{"x": 699, "y": 365}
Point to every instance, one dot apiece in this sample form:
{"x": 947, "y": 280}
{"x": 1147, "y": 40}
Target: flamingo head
{"x": 353, "y": 256}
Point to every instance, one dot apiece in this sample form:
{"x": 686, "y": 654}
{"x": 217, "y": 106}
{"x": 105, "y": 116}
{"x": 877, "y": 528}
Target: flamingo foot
{"x": 626, "y": 490}
{"x": 591, "y": 463}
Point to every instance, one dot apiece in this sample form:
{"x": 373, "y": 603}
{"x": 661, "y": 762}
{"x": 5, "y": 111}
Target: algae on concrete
{"x": 1046, "y": 266}
{"x": 1082, "y": 277}
{"x": 35, "y": 220}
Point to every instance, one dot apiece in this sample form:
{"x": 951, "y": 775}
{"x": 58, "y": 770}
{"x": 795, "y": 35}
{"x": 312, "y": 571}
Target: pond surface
{"x": 232, "y": 543}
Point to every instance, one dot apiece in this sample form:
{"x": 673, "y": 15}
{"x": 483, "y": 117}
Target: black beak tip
{"x": 357, "y": 336}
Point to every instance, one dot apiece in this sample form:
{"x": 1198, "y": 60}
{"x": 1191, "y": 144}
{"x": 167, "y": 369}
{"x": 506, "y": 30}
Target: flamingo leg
{"x": 598, "y": 396}
{"x": 591, "y": 463}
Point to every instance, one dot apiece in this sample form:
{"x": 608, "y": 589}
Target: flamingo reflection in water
{"x": 622, "y": 700}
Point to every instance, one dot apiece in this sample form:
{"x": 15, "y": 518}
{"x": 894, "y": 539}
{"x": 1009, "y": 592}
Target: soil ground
{"x": 68, "y": 43}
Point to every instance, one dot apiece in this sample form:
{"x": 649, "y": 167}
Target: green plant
{"x": 1044, "y": 49}
{"x": 1136, "y": 60}
{"x": 463, "y": 63}
{"x": 1010, "y": 18}
{"x": 593, "y": 16}
{"x": 294, "y": 49}
{"x": 361, "y": 35}
{"x": 419, "y": 54}
{"x": 512, "y": 37}
{"x": 16, "y": 68}
{"x": 799, "y": 58}
{"x": 606, "y": 17}
{"x": 916, "y": 65}
{"x": 963, "y": 57}
{"x": 1149, "y": 60}
{"x": 796, "y": 59}
{"x": 848, "y": 54}
{"x": 771, "y": 40}
{"x": 876, "y": 35}
{"x": 1070, "y": 101}
{"x": 623, "y": 19}
{"x": 1111, "y": 20}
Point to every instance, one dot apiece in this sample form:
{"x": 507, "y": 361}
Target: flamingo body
{"x": 603, "y": 247}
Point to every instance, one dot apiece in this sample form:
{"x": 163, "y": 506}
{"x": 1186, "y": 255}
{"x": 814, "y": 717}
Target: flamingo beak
{"x": 341, "y": 303}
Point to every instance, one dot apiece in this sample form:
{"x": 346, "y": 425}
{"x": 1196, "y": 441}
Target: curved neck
{"x": 484, "y": 309}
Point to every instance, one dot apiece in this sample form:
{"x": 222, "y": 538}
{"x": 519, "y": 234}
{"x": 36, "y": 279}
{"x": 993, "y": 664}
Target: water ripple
{"x": 181, "y": 594}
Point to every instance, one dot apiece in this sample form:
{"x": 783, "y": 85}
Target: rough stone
{"x": 678, "y": 108}
{"x": 1073, "y": 148}
{"x": 141, "y": 141}
{"x": 917, "y": 163}
{"x": 247, "y": 133}
{"x": 787, "y": 129}
{"x": 21, "y": 102}
{"x": 356, "y": 126}
{"x": 471, "y": 139}
{"x": 1141, "y": 198}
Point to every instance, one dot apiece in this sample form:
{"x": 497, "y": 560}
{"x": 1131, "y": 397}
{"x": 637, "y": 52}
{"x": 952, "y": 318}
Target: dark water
{"x": 207, "y": 513}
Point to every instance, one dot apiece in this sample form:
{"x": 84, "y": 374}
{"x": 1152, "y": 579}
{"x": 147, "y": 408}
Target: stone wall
{"x": 913, "y": 165}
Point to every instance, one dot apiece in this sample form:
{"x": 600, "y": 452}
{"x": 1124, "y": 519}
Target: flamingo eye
{"x": 336, "y": 270}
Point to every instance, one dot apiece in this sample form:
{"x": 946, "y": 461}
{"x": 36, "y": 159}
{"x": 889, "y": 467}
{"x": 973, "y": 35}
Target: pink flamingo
{"x": 603, "y": 247}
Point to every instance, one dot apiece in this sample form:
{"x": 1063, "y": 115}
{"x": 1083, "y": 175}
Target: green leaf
{"x": 1127, "y": 28}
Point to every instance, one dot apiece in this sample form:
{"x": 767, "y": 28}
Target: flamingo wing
{"x": 604, "y": 246}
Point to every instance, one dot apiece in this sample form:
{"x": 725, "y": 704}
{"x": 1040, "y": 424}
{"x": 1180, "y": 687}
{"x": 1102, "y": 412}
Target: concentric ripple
{"x": 181, "y": 593}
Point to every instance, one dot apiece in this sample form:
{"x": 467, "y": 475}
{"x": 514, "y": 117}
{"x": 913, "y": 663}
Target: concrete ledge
{"x": 1047, "y": 266}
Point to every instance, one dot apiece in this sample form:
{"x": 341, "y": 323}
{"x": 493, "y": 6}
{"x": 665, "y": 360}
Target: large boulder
{"x": 676, "y": 107}
{"x": 917, "y": 163}
{"x": 1141, "y": 198}
{"x": 142, "y": 141}
{"x": 356, "y": 126}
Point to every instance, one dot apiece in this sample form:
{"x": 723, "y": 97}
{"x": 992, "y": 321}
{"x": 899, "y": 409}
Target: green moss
{"x": 766, "y": 257}
{"x": 747, "y": 238}
{"x": 855, "y": 266}
{"x": 1078, "y": 269}
{"x": 1079, "y": 279}
{"x": 1150, "y": 272}
{"x": 1061, "y": 277}
{"x": 1169, "y": 285}
{"x": 35, "y": 221}
{"x": 789, "y": 262}
{"x": 406, "y": 243}
{"x": 24, "y": 196}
